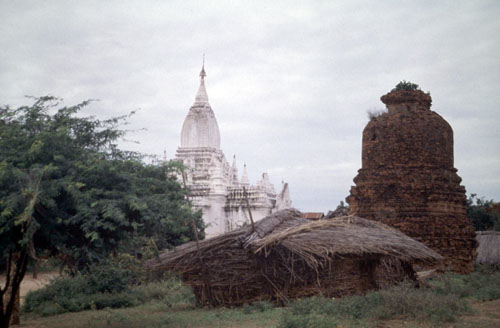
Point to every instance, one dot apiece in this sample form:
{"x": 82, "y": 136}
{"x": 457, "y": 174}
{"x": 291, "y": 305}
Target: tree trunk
{"x": 35, "y": 269}
{"x": 10, "y": 302}
{"x": 14, "y": 317}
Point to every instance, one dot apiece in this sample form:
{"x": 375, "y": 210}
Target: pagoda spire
{"x": 244, "y": 176}
{"x": 202, "y": 73}
{"x": 234, "y": 173}
{"x": 234, "y": 162}
{"x": 201, "y": 96}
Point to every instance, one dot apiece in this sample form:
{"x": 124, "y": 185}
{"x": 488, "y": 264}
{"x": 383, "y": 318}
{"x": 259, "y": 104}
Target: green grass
{"x": 159, "y": 314}
{"x": 482, "y": 285}
{"x": 171, "y": 304}
{"x": 69, "y": 295}
{"x": 446, "y": 298}
{"x": 401, "y": 302}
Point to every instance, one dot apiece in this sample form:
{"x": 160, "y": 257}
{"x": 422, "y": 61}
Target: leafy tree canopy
{"x": 485, "y": 214}
{"x": 67, "y": 190}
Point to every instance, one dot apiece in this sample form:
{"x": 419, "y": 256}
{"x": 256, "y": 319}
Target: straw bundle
{"x": 291, "y": 257}
{"x": 488, "y": 251}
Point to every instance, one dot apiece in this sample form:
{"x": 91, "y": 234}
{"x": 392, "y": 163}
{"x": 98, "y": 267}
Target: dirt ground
{"x": 487, "y": 315}
{"x": 30, "y": 284}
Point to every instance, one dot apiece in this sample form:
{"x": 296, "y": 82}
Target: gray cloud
{"x": 290, "y": 82}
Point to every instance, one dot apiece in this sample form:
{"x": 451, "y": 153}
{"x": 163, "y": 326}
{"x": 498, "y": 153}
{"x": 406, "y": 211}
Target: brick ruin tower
{"x": 408, "y": 181}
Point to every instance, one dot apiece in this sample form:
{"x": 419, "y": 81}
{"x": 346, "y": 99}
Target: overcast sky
{"x": 290, "y": 82}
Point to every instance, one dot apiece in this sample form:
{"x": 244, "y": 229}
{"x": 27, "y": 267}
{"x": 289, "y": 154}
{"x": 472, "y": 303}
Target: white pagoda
{"x": 213, "y": 183}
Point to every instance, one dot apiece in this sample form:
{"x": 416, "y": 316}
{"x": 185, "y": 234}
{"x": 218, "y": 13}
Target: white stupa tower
{"x": 200, "y": 128}
{"x": 213, "y": 183}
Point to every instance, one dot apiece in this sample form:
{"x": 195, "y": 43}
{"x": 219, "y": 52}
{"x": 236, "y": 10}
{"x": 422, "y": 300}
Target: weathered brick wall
{"x": 408, "y": 181}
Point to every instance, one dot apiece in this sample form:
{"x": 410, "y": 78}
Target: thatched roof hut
{"x": 488, "y": 251}
{"x": 291, "y": 257}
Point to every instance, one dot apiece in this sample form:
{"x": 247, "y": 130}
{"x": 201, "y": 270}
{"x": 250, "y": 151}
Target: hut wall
{"x": 348, "y": 276}
{"x": 231, "y": 277}
{"x": 276, "y": 279}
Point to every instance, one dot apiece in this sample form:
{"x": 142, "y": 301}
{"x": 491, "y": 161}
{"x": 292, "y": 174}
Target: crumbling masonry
{"x": 408, "y": 181}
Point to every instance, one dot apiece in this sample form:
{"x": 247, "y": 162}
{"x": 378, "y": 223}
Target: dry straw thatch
{"x": 291, "y": 257}
{"x": 488, "y": 251}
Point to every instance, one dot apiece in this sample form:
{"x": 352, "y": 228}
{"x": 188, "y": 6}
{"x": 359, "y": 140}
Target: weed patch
{"x": 482, "y": 285}
{"x": 260, "y": 306}
{"x": 74, "y": 294}
{"x": 400, "y": 302}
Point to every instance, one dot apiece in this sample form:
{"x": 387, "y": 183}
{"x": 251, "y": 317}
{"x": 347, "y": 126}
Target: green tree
{"x": 484, "y": 214}
{"x": 66, "y": 190}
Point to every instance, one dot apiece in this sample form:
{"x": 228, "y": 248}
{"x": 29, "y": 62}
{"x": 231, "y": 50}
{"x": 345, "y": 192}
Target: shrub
{"x": 402, "y": 302}
{"x": 108, "y": 276}
{"x": 311, "y": 305}
{"x": 103, "y": 285}
{"x": 50, "y": 308}
{"x": 170, "y": 292}
{"x": 484, "y": 214}
{"x": 62, "y": 291}
{"x": 259, "y": 306}
{"x": 406, "y": 85}
{"x": 483, "y": 285}
{"x": 105, "y": 300}
{"x": 374, "y": 114}
{"x": 407, "y": 303}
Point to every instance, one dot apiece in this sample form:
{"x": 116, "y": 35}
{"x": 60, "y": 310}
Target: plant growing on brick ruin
{"x": 407, "y": 86}
{"x": 373, "y": 114}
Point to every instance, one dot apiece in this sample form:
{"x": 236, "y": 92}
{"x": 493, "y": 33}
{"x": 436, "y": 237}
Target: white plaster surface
{"x": 214, "y": 184}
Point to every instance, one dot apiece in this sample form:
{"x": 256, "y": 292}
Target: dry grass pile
{"x": 488, "y": 251}
{"x": 291, "y": 257}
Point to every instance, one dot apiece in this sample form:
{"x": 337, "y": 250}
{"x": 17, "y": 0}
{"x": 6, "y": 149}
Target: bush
{"x": 421, "y": 304}
{"x": 407, "y": 86}
{"x": 108, "y": 276}
{"x": 104, "y": 285}
{"x": 483, "y": 285}
{"x": 61, "y": 292}
{"x": 484, "y": 214}
{"x": 400, "y": 302}
{"x": 170, "y": 292}
{"x": 104, "y": 300}
{"x": 259, "y": 306}
{"x": 73, "y": 294}
{"x": 374, "y": 114}
{"x": 50, "y": 308}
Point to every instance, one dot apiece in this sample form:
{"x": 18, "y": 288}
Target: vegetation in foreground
{"x": 68, "y": 191}
{"x": 118, "y": 282}
{"x": 171, "y": 304}
{"x": 446, "y": 298}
